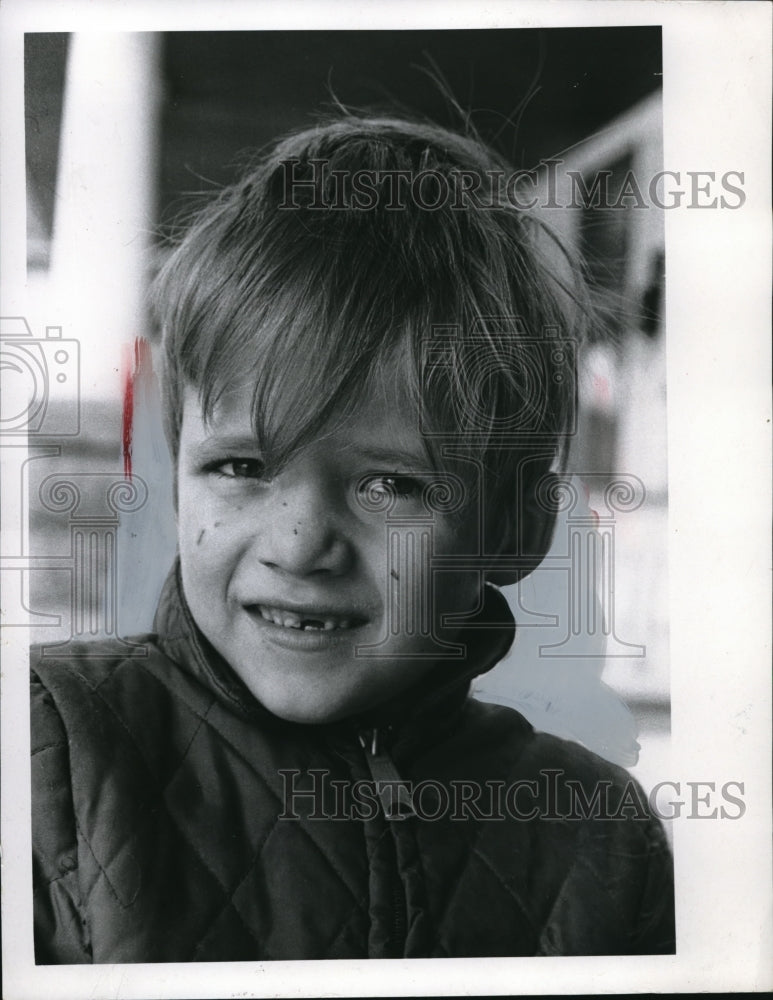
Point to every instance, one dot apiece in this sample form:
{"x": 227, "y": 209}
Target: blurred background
{"x": 125, "y": 132}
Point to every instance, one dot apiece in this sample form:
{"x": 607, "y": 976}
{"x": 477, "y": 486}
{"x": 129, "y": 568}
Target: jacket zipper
{"x": 394, "y": 795}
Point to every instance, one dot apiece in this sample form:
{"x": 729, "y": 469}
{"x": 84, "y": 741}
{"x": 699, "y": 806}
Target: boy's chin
{"x": 309, "y": 712}
{"x": 309, "y": 715}
{"x": 319, "y": 700}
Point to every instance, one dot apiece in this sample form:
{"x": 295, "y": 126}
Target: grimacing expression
{"x": 288, "y": 574}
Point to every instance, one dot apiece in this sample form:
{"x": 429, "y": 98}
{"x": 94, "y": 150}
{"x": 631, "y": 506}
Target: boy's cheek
{"x": 198, "y": 511}
{"x": 202, "y": 540}
{"x": 416, "y": 590}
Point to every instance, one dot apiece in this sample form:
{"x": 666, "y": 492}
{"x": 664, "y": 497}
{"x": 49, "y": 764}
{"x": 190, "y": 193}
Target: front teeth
{"x": 287, "y": 619}
{"x": 278, "y": 617}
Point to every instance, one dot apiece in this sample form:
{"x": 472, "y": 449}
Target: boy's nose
{"x": 302, "y": 535}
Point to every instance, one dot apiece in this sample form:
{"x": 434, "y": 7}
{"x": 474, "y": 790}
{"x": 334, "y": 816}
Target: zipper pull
{"x": 394, "y": 793}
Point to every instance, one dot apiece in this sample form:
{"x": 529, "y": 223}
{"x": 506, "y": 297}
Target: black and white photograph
{"x": 384, "y": 508}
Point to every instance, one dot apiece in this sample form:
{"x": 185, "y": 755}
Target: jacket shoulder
{"x": 113, "y": 704}
{"x": 87, "y": 664}
{"x": 602, "y": 852}
{"x": 124, "y": 677}
{"x": 530, "y": 752}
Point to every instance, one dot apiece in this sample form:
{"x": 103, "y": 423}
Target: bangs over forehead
{"x": 290, "y": 288}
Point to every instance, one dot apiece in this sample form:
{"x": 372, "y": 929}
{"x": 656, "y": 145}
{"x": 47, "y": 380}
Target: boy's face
{"x": 287, "y": 576}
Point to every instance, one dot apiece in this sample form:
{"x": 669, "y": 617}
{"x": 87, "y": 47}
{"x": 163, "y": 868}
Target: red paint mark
{"x": 138, "y": 368}
{"x": 128, "y": 420}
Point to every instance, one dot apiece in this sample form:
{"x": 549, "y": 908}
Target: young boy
{"x": 369, "y": 378}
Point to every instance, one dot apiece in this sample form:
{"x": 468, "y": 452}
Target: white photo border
{"x": 716, "y": 79}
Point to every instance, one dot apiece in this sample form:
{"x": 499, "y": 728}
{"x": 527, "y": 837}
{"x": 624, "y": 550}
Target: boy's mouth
{"x": 307, "y": 622}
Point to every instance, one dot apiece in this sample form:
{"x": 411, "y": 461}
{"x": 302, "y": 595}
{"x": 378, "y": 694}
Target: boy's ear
{"x": 530, "y": 532}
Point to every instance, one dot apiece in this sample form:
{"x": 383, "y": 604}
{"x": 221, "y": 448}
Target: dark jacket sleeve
{"x": 656, "y": 931}
{"x": 607, "y": 867}
{"x": 61, "y": 934}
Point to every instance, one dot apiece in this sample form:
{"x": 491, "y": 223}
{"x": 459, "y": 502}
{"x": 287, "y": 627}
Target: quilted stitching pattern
{"x": 231, "y": 880}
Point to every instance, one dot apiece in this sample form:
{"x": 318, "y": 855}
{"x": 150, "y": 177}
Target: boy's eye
{"x": 240, "y": 468}
{"x": 392, "y": 486}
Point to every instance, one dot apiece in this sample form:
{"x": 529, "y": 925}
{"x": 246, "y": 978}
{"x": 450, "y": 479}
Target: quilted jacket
{"x": 175, "y": 819}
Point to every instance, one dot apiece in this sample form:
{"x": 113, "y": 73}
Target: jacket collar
{"x": 440, "y": 694}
